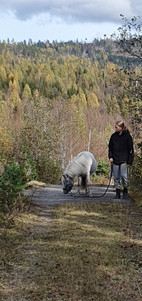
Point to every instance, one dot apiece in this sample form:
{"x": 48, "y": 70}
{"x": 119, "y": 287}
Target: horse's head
{"x": 67, "y": 183}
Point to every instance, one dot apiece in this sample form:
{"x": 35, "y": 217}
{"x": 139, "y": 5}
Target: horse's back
{"x": 90, "y": 159}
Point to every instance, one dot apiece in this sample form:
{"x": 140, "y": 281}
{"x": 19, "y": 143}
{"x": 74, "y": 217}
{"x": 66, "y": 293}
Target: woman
{"x": 121, "y": 155}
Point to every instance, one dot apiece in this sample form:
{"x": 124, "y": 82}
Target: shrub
{"x": 30, "y": 169}
{"x": 103, "y": 168}
{"x": 49, "y": 170}
{"x": 135, "y": 177}
{"x": 12, "y": 182}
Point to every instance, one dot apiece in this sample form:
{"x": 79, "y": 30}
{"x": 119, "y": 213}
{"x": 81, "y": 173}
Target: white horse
{"x": 82, "y": 166}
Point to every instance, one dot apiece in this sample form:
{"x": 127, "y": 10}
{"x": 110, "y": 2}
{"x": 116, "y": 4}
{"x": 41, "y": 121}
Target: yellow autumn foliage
{"x": 92, "y": 100}
{"x": 6, "y": 142}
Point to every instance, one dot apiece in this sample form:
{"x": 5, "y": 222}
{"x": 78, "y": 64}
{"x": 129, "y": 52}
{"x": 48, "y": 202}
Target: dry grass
{"x": 78, "y": 252}
{"x": 35, "y": 183}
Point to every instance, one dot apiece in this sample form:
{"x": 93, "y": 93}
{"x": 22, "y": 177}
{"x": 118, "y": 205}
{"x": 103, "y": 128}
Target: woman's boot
{"x": 117, "y": 196}
{"x": 125, "y": 193}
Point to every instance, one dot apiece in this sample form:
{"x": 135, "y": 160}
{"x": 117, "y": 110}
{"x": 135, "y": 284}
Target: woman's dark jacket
{"x": 121, "y": 148}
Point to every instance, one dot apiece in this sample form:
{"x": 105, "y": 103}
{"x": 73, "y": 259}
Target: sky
{"x": 63, "y": 20}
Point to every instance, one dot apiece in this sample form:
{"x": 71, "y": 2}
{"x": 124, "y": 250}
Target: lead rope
{"x": 99, "y": 196}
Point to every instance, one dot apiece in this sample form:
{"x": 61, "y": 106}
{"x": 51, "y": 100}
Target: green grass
{"x": 78, "y": 252}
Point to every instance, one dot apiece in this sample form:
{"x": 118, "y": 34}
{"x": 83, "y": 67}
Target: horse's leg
{"x": 88, "y": 191}
{"x": 78, "y": 186}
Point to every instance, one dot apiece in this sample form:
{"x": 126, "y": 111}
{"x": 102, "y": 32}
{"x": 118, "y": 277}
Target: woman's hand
{"x": 111, "y": 160}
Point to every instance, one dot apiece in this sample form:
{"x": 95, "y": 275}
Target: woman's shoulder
{"x": 114, "y": 134}
{"x": 128, "y": 135}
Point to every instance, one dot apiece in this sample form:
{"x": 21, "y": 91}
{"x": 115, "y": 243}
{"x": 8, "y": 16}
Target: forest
{"x": 57, "y": 99}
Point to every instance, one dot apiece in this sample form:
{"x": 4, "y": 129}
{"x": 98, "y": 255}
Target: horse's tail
{"x": 83, "y": 182}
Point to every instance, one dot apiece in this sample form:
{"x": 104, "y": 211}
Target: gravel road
{"x": 52, "y": 195}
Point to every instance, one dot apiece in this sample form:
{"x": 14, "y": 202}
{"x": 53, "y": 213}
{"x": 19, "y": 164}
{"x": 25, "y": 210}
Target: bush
{"x": 103, "y": 168}
{"x": 135, "y": 177}
{"x": 12, "y": 182}
{"x": 30, "y": 169}
{"x": 49, "y": 170}
{"x": 102, "y": 173}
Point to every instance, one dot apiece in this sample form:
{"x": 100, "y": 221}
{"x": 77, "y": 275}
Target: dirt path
{"x": 53, "y": 195}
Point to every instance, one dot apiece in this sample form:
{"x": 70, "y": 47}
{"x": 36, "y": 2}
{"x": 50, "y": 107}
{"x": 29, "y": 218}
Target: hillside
{"x": 57, "y": 99}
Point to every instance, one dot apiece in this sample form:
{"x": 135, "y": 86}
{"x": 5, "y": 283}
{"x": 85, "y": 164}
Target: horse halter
{"x": 67, "y": 183}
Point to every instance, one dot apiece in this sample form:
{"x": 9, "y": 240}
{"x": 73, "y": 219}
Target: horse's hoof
{"x": 90, "y": 194}
{"x": 77, "y": 194}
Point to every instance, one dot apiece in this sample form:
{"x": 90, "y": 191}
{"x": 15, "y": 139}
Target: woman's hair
{"x": 121, "y": 124}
